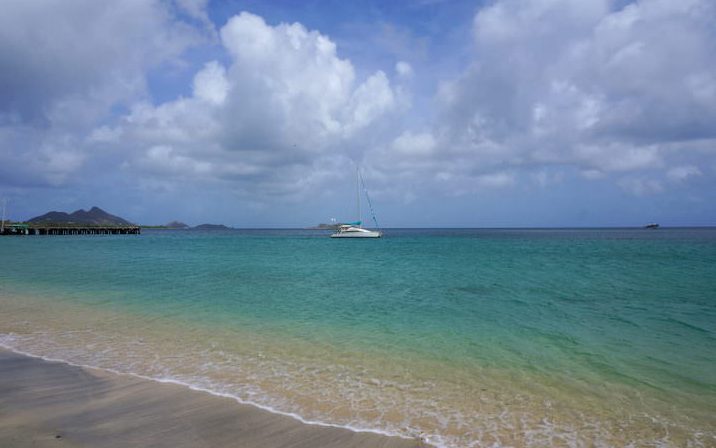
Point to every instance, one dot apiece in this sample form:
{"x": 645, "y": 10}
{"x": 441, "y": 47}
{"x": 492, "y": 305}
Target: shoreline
{"x": 44, "y": 402}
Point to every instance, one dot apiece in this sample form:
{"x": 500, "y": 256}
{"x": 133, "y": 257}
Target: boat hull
{"x": 369, "y": 234}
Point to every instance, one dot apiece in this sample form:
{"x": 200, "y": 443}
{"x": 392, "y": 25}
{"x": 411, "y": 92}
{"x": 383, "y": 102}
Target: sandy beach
{"x": 52, "y": 404}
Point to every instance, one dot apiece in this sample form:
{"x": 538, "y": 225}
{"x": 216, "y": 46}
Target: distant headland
{"x": 94, "y": 221}
{"x": 89, "y": 222}
{"x": 178, "y": 225}
{"x": 94, "y": 216}
{"x": 324, "y": 226}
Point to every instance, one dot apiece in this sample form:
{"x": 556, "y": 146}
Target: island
{"x": 211, "y": 227}
{"x": 94, "y": 221}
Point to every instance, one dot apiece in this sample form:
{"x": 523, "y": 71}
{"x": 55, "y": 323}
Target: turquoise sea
{"x": 466, "y": 337}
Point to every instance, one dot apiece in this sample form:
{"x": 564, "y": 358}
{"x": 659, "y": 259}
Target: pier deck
{"x": 39, "y": 229}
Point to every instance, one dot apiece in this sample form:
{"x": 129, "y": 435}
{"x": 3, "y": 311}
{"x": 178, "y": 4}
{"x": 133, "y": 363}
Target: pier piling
{"x": 29, "y": 229}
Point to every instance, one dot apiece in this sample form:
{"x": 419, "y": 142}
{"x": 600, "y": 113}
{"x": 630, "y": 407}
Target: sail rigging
{"x": 367, "y": 196}
{"x": 354, "y": 229}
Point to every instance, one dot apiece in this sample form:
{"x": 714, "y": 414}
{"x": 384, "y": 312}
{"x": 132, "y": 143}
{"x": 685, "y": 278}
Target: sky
{"x": 500, "y": 113}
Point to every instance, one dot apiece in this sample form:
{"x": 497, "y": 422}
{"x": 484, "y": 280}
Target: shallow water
{"x": 600, "y": 337}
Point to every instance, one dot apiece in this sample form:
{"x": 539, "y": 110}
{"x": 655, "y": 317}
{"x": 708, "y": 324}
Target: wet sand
{"x": 52, "y": 404}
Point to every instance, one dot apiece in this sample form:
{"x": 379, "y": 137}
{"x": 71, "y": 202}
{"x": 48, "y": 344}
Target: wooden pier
{"x": 39, "y": 229}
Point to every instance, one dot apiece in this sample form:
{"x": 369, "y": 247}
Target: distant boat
{"x": 354, "y": 229}
{"x": 652, "y": 226}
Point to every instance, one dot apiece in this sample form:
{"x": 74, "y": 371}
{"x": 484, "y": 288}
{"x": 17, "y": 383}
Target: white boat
{"x": 354, "y": 229}
{"x": 349, "y": 231}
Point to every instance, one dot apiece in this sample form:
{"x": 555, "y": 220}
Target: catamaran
{"x": 354, "y": 229}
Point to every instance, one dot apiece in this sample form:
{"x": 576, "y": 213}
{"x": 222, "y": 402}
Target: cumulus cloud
{"x": 303, "y": 91}
{"x": 65, "y": 65}
{"x": 412, "y": 145}
{"x": 640, "y": 186}
{"x": 285, "y": 100}
{"x": 85, "y": 52}
{"x": 196, "y": 9}
{"x": 211, "y": 84}
{"x": 404, "y": 69}
{"x": 581, "y": 84}
{"x": 682, "y": 173}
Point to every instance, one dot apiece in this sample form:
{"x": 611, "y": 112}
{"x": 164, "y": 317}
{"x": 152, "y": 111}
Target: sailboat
{"x": 354, "y": 229}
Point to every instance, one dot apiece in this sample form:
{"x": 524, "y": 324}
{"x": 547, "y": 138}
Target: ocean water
{"x": 467, "y": 338}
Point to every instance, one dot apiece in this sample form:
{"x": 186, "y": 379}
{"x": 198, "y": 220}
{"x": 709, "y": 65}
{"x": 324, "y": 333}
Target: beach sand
{"x": 52, "y": 404}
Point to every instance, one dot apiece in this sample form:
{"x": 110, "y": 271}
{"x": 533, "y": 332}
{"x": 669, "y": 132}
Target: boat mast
{"x": 367, "y": 197}
{"x": 2, "y": 223}
{"x": 358, "y": 194}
